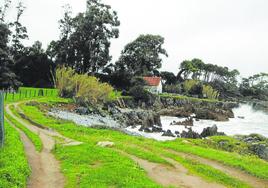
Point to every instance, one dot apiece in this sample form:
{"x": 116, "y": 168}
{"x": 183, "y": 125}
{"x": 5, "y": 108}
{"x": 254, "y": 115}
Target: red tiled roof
{"x": 152, "y": 81}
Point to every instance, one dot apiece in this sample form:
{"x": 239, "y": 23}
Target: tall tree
{"x": 34, "y": 68}
{"x": 143, "y": 55}
{"x": 85, "y": 39}
{"x": 3, "y": 10}
{"x": 7, "y": 76}
{"x": 20, "y": 32}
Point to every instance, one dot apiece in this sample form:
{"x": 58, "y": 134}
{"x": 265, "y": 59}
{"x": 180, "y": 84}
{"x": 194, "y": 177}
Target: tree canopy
{"x": 85, "y": 38}
{"x": 143, "y": 55}
{"x": 197, "y": 69}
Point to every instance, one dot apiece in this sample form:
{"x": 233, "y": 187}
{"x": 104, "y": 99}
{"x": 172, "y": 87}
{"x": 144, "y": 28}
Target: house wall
{"x": 155, "y": 89}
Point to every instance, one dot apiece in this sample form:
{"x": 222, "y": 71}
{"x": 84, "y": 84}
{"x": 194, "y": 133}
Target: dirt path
{"x": 45, "y": 168}
{"x": 176, "y": 176}
{"x": 233, "y": 172}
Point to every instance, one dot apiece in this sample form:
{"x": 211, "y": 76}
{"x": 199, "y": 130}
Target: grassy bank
{"x": 150, "y": 150}
{"x": 14, "y": 169}
{"x": 183, "y": 97}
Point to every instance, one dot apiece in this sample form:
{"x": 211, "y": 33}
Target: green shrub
{"x": 189, "y": 84}
{"x": 139, "y": 93}
{"x": 83, "y": 88}
{"x": 209, "y": 92}
{"x": 172, "y": 89}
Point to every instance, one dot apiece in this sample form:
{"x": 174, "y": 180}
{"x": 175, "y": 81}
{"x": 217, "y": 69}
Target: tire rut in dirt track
{"x": 45, "y": 168}
{"x": 176, "y": 175}
{"x": 233, "y": 172}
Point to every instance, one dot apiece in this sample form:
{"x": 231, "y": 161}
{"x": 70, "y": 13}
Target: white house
{"x": 154, "y": 84}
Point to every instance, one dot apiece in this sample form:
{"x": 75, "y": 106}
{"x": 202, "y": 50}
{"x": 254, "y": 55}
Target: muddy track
{"x": 174, "y": 175}
{"x": 45, "y": 168}
{"x": 233, "y": 172}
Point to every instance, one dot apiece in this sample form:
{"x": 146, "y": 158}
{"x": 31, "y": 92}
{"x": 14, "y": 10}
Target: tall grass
{"x": 14, "y": 168}
{"x": 83, "y": 88}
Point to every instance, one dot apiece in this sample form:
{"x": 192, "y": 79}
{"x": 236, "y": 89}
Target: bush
{"x": 65, "y": 82}
{"x": 209, "y": 92}
{"x": 189, "y": 84}
{"x": 172, "y": 89}
{"x": 83, "y": 88}
{"x": 140, "y": 94}
{"x": 196, "y": 89}
{"x": 138, "y": 81}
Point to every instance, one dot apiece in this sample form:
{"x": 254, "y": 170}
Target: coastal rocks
{"x": 211, "y": 131}
{"x": 213, "y": 114}
{"x": 261, "y": 105}
{"x": 257, "y": 144}
{"x": 260, "y": 150}
{"x": 190, "y": 134}
{"x": 149, "y": 120}
{"x": 168, "y": 133}
{"x": 176, "y": 112}
{"x": 188, "y": 122}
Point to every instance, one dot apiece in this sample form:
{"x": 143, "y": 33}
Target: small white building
{"x": 154, "y": 84}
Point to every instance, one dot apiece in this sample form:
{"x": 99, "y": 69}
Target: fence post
{"x": 2, "y": 130}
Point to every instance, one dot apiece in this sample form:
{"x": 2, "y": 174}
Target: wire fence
{"x": 28, "y": 93}
{"x": 22, "y": 93}
{"x": 2, "y": 129}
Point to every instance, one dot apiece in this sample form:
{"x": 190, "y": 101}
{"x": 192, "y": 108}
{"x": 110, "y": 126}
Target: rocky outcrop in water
{"x": 214, "y": 114}
{"x": 260, "y": 105}
{"x": 211, "y": 131}
{"x": 190, "y": 134}
{"x": 148, "y": 119}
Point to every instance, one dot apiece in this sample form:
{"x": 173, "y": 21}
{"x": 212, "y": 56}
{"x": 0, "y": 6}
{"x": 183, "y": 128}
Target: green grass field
{"x": 14, "y": 169}
{"x": 26, "y": 93}
{"x": 88, "y": 165}
{"x": 148, "y": 149}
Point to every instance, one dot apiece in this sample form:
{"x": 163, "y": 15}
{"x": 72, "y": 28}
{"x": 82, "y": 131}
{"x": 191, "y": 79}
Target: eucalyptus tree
{"x": 19, "y": 34}
{"x": 143, "y": 56}
{"x": 85, "y": 39}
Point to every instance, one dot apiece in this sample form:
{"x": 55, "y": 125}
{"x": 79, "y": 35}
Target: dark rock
{"x": 214, "y": 114}
{"x": 260, "y": 150}
{"x": 177, "y": 133}
{"x": 157, "y": 129}
{"x": 190, "y": 134}
{"x": 211, "y": 131}
{"x": 168, "y": 133}
{"x": 187, "y": 122}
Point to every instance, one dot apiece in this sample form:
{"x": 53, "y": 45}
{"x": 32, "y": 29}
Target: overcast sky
{"x": 232, "y": 33}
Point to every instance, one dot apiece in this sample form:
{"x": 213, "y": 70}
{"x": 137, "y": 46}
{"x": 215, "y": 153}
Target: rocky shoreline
{"x": 125, "y": 113}
{"x": 147, "y": 118}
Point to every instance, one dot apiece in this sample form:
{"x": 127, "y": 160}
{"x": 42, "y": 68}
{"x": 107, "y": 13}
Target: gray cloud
{"x": 230, "y": 33}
